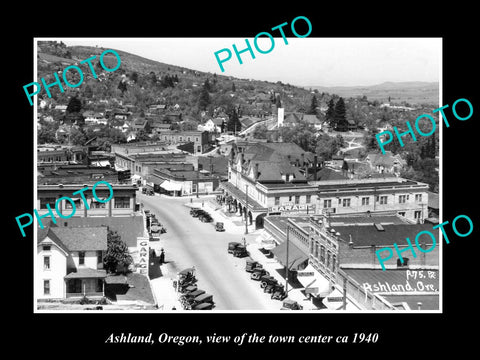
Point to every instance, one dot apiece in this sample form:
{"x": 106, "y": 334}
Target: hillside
{"x": 411, "y": 92}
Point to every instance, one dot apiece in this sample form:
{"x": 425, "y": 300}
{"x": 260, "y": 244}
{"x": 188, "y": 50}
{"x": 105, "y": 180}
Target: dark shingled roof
{"x": 81, "y": 239}
{"x": 128, "y": 227}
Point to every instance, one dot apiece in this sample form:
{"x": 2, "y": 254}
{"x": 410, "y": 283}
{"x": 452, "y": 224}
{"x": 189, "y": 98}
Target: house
{"x": 70, "y": 262}
{"x": 385, "y": 163}
{"x": 214, "y": 125}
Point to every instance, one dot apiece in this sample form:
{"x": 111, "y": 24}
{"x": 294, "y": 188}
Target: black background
{"x": 83, "y": 335}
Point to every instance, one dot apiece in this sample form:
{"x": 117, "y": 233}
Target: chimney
{"x": 315, "y": 160}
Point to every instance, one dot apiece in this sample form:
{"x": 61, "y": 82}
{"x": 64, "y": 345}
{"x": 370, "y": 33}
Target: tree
{"x": 117, "y": 258}
{"x": 233, "y": 123}
{"x": 313, "y": 106}
{"x": 233, "y": 87}
{"x": 260, "y": 132}
{"x": 330, "y": 114}
{"x": 74, "y": 105}
{"x": 341, "y": 123}
{"x": 204, "y": 99}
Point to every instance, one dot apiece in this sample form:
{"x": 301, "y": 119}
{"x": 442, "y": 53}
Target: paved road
{"x": 189, "y": 242}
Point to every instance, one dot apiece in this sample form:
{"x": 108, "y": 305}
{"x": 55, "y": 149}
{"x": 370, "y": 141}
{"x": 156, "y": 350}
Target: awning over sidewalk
{"x": 313, "y": 281}
{"x": 296, "y": 256}
{"x": 170, "y": 186}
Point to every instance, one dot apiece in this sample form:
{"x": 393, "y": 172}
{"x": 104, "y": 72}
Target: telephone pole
{"x": 246, "y": 209}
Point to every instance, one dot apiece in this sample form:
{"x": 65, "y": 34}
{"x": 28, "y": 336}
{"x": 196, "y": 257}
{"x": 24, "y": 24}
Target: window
{"x": 365, "y": 201}
{"x": 327, "y": 203}
{"x": 308, "y": 199}
{"x": 383, "y": 200}
{"x": 322, "y": 254}
{"x": 346, "y": 202}
{"x": 199, "y": 148}
{"x": 400, "y": 264}
{"x": 122, "y": 202}
{"x": 99, "y": 256}
{"x": 50, "y": 201}
{"x": 277, "y": 200}
{"x": 316, "y": 250}
{"x": 46, "y": 287}
{"x": 94, "y": 204}
{"x": 290, "y": 197}
{"x": 77, "y": 202}
{"x": 196, "y": 139}
{"x": 46, "y": 247}
{"x": 334, "y": 262}
{"x": 402, "y": 199}
{"x": 329, "y": 254}
{"x": 401, "y": 213}
{"x": 418, "y": 197}
{"x": 46, "y": 263}
{"x": 81, "y": 258}
{"x": 297, "y": 199}
{"x": 417, "y": 214}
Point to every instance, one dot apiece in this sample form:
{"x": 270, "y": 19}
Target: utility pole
{"x": 198, "y": 179}
{"x": 246, "y": 209}
{"x": 286, "y": 265}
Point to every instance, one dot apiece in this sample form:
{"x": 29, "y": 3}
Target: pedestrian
{"x": 162, "y": 257}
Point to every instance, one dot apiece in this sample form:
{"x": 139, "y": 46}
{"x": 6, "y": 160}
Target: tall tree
{"x": 330, "y": 114}
{"x": 340, "y": 116}
{"x": 313, "y": 106}
{"x": 233, "y": 123}
{"x": 204, "y": 99}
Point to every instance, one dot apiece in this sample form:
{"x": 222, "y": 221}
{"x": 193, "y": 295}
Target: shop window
{"x": 122, "y": 202}
{"x": 50, "y": 201}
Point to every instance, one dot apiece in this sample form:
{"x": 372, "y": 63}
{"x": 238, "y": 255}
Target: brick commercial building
{"x": 400, "y": 196}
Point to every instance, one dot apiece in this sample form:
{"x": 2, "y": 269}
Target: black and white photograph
{"x": 266, "y": 182}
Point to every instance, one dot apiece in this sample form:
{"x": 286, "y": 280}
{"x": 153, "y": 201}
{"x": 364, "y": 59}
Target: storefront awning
{"x": 170, "y": 186}
{"x": 295, "y": 255}
{"x": 313, "y": 281}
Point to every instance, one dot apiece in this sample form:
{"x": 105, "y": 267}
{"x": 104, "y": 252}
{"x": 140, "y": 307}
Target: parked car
{"x": 240, "y": 251}
{"x": 197, "y": 212}
{"x": 279, "y": 293}
{"x": 204, "y": 306}
{"x": 266, "y": 280}
{"x": 219, "y": 226}
{"x": 289, "y": 304}
{"x": 266, "y": 252}
{"x": 258, "y": 273}
{"x": 232, "y": 246}
{"x": 252, "y": 265}
{"x": 205, "y": 217}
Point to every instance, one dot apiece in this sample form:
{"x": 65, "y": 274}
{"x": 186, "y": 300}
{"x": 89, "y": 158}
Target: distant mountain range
{"x": 412, "y": 92}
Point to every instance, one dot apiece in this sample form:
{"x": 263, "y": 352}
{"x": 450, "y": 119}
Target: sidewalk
{"x": 275, "y": 269}
{"x": 162, "y": 286}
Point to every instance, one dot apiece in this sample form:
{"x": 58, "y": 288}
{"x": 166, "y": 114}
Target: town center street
{"x": 190, "y": 242}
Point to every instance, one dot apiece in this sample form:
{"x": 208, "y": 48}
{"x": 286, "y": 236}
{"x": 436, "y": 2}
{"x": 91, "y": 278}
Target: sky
{"x": 302, "y": 62}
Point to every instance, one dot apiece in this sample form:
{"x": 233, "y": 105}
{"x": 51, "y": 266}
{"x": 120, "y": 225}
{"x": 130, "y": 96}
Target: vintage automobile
{"x": 267, "y": 280}
{"x": 205, "y": 217}
{"x": 232, "y": 246}
{"x": 258, "y": 273}
{"x": 240, "y": 251}
{"x": 266, "y": 252}
{"x": 219, "y": 226}
{"x": 272, "y": 287}
{"x": 196, "y": 212}
{"x": 194, "y": 294}
{"x": 279, "y": 294}
{"x": 252, "y": 265}
{"x": 203, "y": 306}
{"x": 189, "y": 304}
{"x": 185, "y": 278}
{"x": 289, "y": 304}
